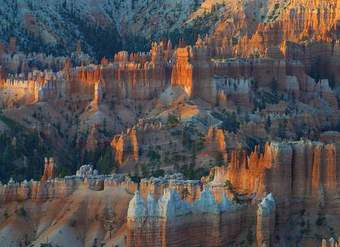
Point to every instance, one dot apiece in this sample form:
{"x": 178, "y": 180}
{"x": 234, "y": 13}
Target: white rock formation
{"x": 86, "y": 171}
{"x": 136, "y": 208}
{"x": 267, "y": 205}
{"x": 171, "y": 205}
{"x": 206, "y": 203}
{"x": 330, "y": 243}
{"x": 152, "y": 206}
{"x": 226, "y": 205}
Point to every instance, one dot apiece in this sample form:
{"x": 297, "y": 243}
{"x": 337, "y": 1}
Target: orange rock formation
{"x": 49, "y": 170}
{"x": 126, "y": 146}
{"x": 182, "y": 70}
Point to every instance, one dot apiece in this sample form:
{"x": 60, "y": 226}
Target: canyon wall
{"x": 140, "y": 76}
{"x": 144, "y": 76}
{"x": 299, "y": 170}
{"x": 295, "y": 21}
{"x": 298, "y": 30}
{"x": 295, "y": 174}
{"x": 257, "y": 192}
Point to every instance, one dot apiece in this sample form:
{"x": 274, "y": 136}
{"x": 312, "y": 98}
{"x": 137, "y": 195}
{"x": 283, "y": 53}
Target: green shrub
{"x": 321, "y": 219}
{"x": 21, "y": 212}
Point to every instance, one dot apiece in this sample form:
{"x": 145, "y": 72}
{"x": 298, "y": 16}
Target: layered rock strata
{"x": 307, "y": 166}
{"x": 60, "y": 188}
{"x": 143, "y": 76}
{"x": 171, "y": 211}
{"x": 170, "y": 221}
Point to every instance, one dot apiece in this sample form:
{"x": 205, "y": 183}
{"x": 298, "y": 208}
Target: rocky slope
{"x": 57, "y": 26}
{"x": 53, "y": 25}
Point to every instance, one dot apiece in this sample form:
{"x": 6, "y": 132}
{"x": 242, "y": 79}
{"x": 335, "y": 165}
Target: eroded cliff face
{"x": 298, "y": 169}
{"x": 65, "y": 212}
{"x": 142, "y": 77}
{"x": 294, "y": 30}
{"x": 302, "y": 30}
{"x": 259, "y": 192}
{"x": 290, "y": 171}
{"x": 172, "y": 221}
{"x": 24, "y": 91}
{"x": 271, "y": 74}
{"x": 136, "y": 76}
{"x": 294, "y": 21}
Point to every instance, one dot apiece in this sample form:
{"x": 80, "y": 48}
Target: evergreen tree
{"x": 268, "y": 124}
{"x": 106, "y": 163}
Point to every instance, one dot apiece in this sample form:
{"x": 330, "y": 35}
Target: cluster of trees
{"x": 199, "y": 26}
{"x": 192, "y": 139}
{"x": 103, "y": 159}
{"x": 191, "y": 172}
{"x": 230, "y": 121}
{"x": 21, "y": 153}
{"x": 104, "y": 41}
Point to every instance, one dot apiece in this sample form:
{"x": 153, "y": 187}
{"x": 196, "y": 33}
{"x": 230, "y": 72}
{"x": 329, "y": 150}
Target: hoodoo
{"x": 170, "y": 123}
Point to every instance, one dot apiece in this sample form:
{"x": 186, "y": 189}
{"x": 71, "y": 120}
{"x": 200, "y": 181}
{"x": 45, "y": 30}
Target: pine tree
{"x": 106, "y": 162}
